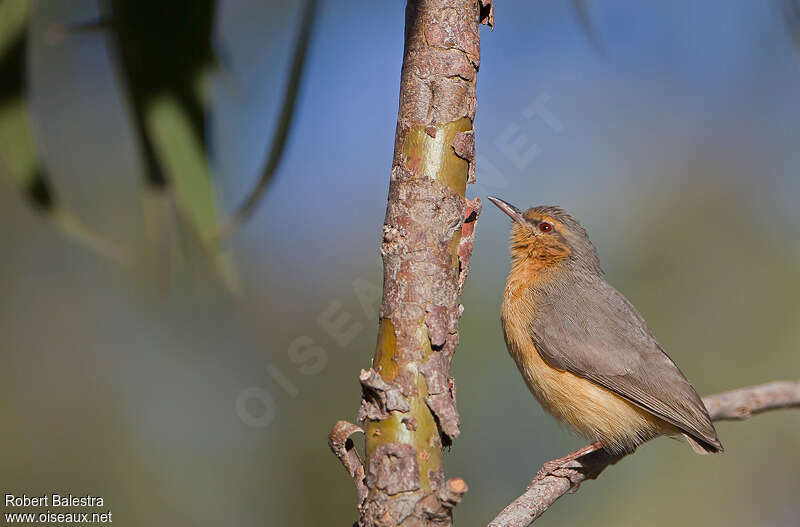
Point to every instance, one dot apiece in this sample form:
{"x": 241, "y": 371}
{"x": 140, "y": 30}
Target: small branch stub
{"x": 342, "y": 446}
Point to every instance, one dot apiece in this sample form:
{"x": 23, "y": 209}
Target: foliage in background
{"x": 20, "y": 162}
{"x": 163, "y": 53}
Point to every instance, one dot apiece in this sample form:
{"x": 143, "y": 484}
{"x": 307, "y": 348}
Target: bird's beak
{"x": 513, "y": 212}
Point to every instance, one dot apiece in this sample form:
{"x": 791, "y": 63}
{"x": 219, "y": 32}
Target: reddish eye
{"x": 545, "y": 227}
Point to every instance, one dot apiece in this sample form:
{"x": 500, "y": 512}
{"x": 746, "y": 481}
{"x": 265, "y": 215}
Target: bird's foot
{"x": 555, "y": 464}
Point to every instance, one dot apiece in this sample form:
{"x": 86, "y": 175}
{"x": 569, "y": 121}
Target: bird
{"x": 583, "y": 349}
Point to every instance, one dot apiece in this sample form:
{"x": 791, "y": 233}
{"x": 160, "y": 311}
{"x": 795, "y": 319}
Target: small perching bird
{"x": 584, "y": 351}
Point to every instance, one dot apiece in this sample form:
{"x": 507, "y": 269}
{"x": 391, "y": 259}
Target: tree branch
{"x": 408, "y": 405}
{"x": 548, "y": 486}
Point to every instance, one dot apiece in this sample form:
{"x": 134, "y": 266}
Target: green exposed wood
{"x": 428, "y": 150}
{"x": 416, "y": 427}
{"x": 384, "y": 354}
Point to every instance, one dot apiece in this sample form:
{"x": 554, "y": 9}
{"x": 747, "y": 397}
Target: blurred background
{"x": 193, "y": 385}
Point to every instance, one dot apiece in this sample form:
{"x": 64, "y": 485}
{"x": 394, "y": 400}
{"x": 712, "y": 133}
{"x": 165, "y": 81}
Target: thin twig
{"x": 284, "y": 123}
{"x": 546, "y": 488}
{"x": 585, "y": 20}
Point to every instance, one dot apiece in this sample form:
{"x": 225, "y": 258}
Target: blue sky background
{"x": 673, "y": 140}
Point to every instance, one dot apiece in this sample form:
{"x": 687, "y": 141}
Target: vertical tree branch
{"x": 408, "y": 404}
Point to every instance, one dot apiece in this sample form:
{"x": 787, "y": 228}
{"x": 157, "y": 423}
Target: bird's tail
{"x": 703, "y": 447}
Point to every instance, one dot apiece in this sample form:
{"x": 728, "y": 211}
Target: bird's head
{"x": 547, "y": 238}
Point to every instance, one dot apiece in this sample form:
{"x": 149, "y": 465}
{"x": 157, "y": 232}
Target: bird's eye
{"x": 545, "y": 227}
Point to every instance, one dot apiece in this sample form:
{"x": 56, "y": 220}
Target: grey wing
{"x": 595, "y": 333}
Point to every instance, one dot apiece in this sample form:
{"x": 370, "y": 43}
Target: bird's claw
{"x": 549, "y": 467}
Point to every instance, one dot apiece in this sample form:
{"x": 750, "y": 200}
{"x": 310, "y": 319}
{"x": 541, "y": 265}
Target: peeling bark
{"x": 408, "y": 403}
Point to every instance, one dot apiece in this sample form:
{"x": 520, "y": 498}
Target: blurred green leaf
{"x": 18, "y": 153}
{"x": 164, "y": 53}
{"x": 186, "y": 166}
{"x": 16, "y": 142}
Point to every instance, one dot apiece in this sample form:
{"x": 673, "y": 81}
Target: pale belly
{"x": 591, "y": 410}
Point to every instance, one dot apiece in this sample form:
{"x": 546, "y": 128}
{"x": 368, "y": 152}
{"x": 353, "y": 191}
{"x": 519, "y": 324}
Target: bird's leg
{"x": 550, "y": 466}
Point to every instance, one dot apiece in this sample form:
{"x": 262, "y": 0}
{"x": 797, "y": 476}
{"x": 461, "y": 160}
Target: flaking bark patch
{"x": 440, "y": 323}
{"x": 441, "y": 395}
{"x": 464, "y": 147}
{"x": 467, "y": 242}
{"x": 393, "y": 468}
{"x": 379, "y": 397}
{"x": 487, "y": 13}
